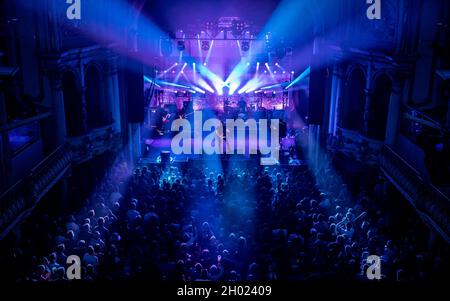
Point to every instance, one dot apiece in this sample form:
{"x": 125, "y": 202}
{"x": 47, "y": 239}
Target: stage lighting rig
{"x": 245, "y": 46}
{"x": 238, "y": 27}
{"x": 181, "y": 46}
{"x": 205, "y": 45}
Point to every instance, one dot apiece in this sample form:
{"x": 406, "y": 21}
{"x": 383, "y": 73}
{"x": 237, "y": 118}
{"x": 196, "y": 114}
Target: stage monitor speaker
{"x": 134, "y": 79}
{"x": 317, "y": 87}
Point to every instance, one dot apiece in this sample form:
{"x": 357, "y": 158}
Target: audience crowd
{"x": 253, "y": 223}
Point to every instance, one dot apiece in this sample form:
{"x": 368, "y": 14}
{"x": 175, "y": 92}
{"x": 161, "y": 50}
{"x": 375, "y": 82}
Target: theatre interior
{"x": 345, "y": 102}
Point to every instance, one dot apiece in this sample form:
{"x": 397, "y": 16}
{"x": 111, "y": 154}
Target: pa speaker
{"x": 134, "y": 79}
{"x": 317, "y": 85}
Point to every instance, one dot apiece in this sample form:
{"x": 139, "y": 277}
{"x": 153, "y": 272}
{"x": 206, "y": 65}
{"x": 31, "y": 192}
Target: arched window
{"x": 354, "y": 101}
{"x": 379, "y": 108}
{"x": 98, "y": 111}
{"x": 73, "y": 106}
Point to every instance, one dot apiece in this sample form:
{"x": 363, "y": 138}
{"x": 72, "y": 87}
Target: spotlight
{"x": 181, "y": 46}
{"x": 205, "y": 45}
{"x": 245, "y": 46}
{"x": 292, "y": 72}
{"x": 237, "y": 27}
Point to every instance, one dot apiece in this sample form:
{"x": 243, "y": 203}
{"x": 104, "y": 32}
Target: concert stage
{"x": 155, "y": 147}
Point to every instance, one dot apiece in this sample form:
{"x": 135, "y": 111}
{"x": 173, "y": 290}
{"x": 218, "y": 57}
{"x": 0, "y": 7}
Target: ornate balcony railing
{"x": 17, "y": 202}
{"x": 432, "y": 205}
{"x": 97, "y": 141}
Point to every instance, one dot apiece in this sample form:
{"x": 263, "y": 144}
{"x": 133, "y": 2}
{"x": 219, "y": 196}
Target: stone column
{"x": 392, "y": 126}
{"x": 367, "y": 113}
{"x": 59, "y": 116}
{"x": 84, "y": 111}
{"x": 335, "y": 99}
{"x": 112, "y": 93}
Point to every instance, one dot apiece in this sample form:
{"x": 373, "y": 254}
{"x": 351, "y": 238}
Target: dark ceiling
{"x": 179, "y": 14}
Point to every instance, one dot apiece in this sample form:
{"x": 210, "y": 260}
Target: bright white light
{"x": 233, "y": 87}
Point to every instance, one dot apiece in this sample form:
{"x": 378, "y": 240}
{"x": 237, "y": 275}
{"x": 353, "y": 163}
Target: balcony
{"x": 96, "y": 142}
{"x": 18, "y": 202}
{"x": 432, "y": 205}
{"x": 357, "y": 145}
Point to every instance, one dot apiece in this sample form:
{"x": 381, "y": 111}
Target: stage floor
{"x": 154, "y": 147}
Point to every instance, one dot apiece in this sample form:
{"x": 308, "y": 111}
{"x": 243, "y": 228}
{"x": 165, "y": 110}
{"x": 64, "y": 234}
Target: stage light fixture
{"x": 181, "y": 46}
{"x": 205, "y": 45}
{"x": 245, "y": 46}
